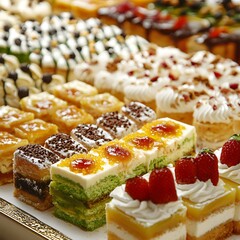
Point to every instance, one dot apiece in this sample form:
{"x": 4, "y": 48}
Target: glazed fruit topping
{"x": 161, "y": 186}
{"x": 217, "y": 31}
{"x": 180, "y": 22}
{"x": 159, "y": 189}
{"x": 137, "y": 188}
{"x": 164, "y": 129}
{"x": 207, "y": 166}
{"x": 185, "y": 171}
{"x": 230, "y": 154}
{"x": 124, "y": 7}
{"x": 82, "y": 164}
{"x": 118, "y": 153}
{"x": 143, "y": 142}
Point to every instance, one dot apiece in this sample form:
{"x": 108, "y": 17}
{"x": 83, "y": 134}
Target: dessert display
{"x": 31, "y": 175}
{"x": 82, "y": 183}
{"x": 12, "y": 117}
{"x": 64, "y": 145}
{"x": 73, "y": 91}
{"x": 42, "y": 104}
{"x": 36, "y": 131}
{"x": 101, "y": 103}
{"x": 90, "y": 135}
{"x": 8, "y": 144}
{"x": 69, "y": 117}
{"x": 210, "y": 202}
{"x": 228, "y": 157}
{"x": 146, "y": 207}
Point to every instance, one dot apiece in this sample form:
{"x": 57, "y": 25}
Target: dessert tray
{"x": 45, "y": 224}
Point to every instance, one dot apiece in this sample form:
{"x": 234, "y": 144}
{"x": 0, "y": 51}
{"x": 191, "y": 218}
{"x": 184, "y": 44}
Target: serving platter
{"x": 43, "y": 223}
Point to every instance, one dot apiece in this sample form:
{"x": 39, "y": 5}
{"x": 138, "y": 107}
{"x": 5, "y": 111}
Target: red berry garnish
{"x": 207, "y": 166}
{"x": 124, "y": 7}
{"x": 233, "y": 86}
{"x": 215, "y": 32}
{"x": 137, "y": 188}
{"x": 143, "y": 142}
{"x": 217, "y": 74}
{"x": 180, "y": 22}
{"x": 230, "y": 154}
{"x": 162, "y": 187}
{"x": 164, "y": 128}
{"x": 185, "y": 171}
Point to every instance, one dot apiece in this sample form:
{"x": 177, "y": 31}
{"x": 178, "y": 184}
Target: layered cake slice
{"x": 31, "y": 175}
{"x": 90, "y": 135}
{"x": 147, "y": 208}
{"x": 64, "y": 145}
{"x": 138, "y": 112}
{"x": 82, "y": 183}
{"x": 229, "y": 164}
{"x": 8, "y": 144}
{"x": 116, "y": 124}
{"x": 209, "y": 201}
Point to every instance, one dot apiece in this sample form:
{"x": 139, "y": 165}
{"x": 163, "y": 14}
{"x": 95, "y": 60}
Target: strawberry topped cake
{"x": 147, "y": 207}
{"x": 209, "y": 201}
{"x": 229, "y": 165}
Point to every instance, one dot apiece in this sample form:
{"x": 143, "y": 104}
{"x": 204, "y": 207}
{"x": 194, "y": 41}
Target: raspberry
{"x": 137, "y": 188}
{"x": 230, "y": 154}
{"x": 185, "y": 171}
{"x": 162, "y": 186}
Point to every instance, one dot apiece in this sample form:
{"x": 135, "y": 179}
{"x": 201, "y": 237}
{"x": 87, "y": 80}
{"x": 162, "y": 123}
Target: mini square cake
{"x": 64, "y": 145}
{"x": 139, "y": 113}
{"x": 31, "y": 169}
{"x": 11, "y": 117}
{"x": 147, "y": 208}
{"x": 74, "y": 91}
{"x": 67, "y": 118}
{"x": 40, "y": 104}
{"x": 100, "y": 104}
{"x": 35, "y": 131}
{"x": 116, "y": 124}
{"x": 90, "y": 135}
{"x": 8, "y": 144}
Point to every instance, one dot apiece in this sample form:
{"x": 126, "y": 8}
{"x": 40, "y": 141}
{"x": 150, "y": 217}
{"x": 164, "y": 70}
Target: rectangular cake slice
{"x": 31, "y": 175}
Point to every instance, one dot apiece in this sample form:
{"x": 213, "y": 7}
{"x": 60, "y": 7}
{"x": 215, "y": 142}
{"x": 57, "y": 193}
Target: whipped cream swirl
{"x": 199, "y": 191}
{"x": 145, "y": 212}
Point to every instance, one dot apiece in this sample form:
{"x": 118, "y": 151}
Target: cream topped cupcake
{"x": 213, "y": 119}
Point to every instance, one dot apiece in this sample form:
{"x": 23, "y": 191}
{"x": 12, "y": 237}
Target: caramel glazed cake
{"x": 81, "y": 184}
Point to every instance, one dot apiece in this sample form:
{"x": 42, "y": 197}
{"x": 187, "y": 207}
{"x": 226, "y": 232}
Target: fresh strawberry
{"x": 180, "y": 22}
{"x": 207, "y": 166}
{"x": 185, "y": 171}
{"x": 137, "y": 188}
{"x": 162, "y": 186}
{"x": 230, "y": 154}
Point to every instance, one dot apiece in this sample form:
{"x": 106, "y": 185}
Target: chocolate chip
{"x": 18, "y": 41}
{"x": 13, "y": 75}
{"x": 7, "y": 27}
{"x": 47, "y": 78}
{"x": 23, "y": 92}
{"x": 72, "y": 55}
{"x": 25, "y": 68}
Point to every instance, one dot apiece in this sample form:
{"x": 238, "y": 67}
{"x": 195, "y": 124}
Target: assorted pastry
{"x": 110, "y": 128}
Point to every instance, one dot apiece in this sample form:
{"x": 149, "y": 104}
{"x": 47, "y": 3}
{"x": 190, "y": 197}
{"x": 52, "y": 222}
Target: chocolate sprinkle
{"x": 23, "y": 92}
{"x": 64, "y": 145}
{"x": 2, "y": 60}
{"x": 47, "y": 78}
{"x": 13, "y": 75}
{"x": 37, "y": 155}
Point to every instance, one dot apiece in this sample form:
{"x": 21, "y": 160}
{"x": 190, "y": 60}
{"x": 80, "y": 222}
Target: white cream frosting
{"x": 145, "y": 212}
{"x": 199, "y": 191}
{"x": 213, "y": 110}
